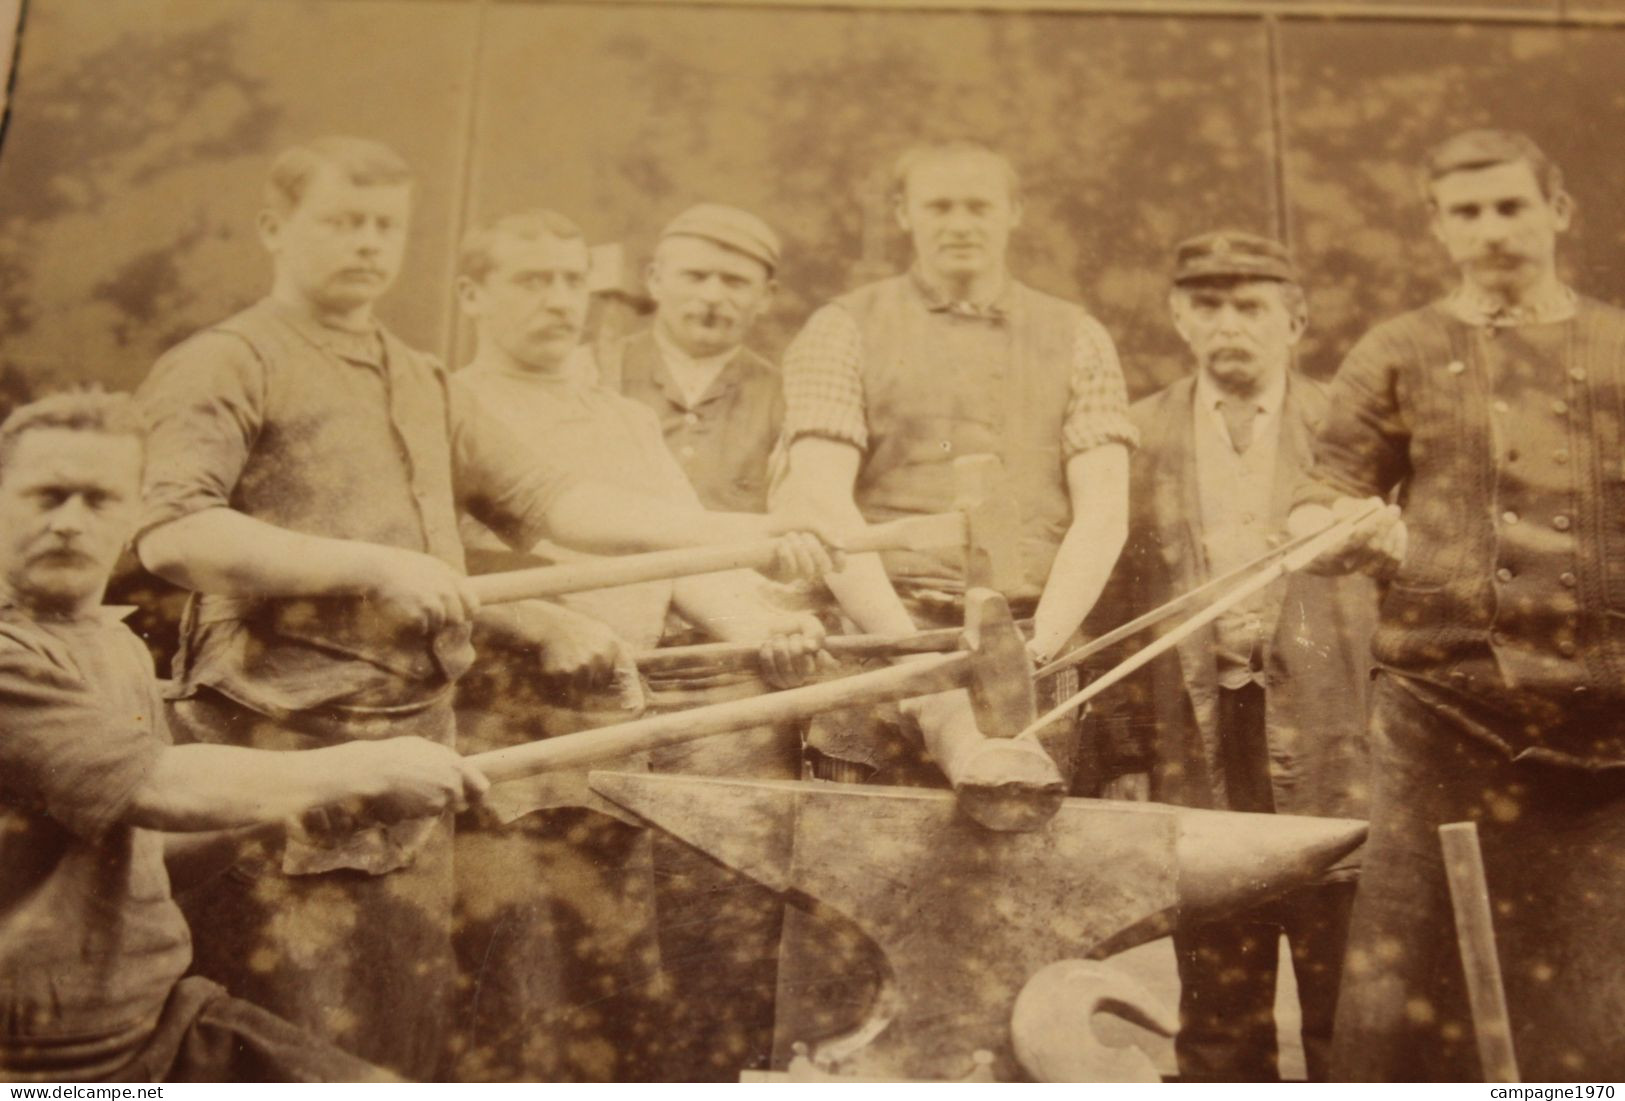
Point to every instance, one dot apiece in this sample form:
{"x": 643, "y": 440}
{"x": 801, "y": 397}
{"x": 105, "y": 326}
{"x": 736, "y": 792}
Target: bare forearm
{"x": 1081, "y": 568}
{"x": 726, "y": 605}
{"x": 822, "y": 474}
{"x": 1097, "y": 482}
{"x": 223, "y": 551}
{"x": 195, "y": 788}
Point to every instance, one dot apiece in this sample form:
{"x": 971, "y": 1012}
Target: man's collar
{"x": 1267, "y": 400}
{"x": 1552, "y": 303}
{"x": 997, "y": 308}
{"x": 359, "y": 347}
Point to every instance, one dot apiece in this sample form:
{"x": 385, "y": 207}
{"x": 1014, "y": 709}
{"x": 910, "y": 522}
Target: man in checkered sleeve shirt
{"x": 888, "y": 384}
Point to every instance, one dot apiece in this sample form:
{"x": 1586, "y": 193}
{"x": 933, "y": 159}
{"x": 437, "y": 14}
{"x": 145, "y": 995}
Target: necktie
{"x": 1239, "y": 415}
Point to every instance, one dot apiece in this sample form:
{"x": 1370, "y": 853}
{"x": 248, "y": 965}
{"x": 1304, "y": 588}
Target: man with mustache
{"x": 102, "y": 818}
{"x": 304, "y": 476}
{"x": 719, "y": 404}
{"x": 888, "y": 384}
{"x": 1263, "y": 711}
{"x": 1496, "y": 418}
{"x": 523, "y": 282}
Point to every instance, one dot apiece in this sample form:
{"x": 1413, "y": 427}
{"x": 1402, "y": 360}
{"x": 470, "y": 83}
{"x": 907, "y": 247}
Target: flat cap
{"x": 729, "y": 227}
{"x": 1232, "y": 254}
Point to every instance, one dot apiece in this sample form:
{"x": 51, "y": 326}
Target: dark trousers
{"x": 1227, "y": 969}
{"x": 1554, "y": 852}
{"x": 363, "y": 961}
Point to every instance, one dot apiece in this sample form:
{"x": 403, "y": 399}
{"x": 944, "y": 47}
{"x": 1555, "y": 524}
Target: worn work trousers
{"x": 205, "y": 1035}
{"x": 557, "y": 963}
{"x": 363, "y": 961}
{"x": 1554, "y": 854}
{"x": 1227, "y": 968}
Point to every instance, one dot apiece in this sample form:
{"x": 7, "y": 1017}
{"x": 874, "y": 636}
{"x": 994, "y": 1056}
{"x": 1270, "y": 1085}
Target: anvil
{"x": 918, "y": 928}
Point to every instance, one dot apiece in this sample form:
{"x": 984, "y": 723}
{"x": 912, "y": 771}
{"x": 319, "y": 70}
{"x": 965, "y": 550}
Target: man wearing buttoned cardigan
{"x": 1497, "y": 417}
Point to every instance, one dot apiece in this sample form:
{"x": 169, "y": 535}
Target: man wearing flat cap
{"x": 718, "y": 401}
{"x": 1495, "y": 418}
{"x": 1263, "y": 710}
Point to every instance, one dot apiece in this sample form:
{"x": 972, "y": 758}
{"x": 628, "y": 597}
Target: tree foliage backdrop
{"x": 131, "y": 166}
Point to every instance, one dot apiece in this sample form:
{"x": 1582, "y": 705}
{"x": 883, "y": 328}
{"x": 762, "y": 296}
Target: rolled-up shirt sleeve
{"x": 1363, "y": 446}
{"x": 61, "y": 751}
{"x": 823, "y": 383}
{"x": 497, "y": 479}
{"x": 1097, "y": 408}
{"x": 203, "y": 406}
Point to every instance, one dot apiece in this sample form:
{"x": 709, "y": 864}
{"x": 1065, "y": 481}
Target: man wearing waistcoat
{"x": 303, "y": 476}
{"x": 1498, "y": 415}
{"x": 1264, "y": 710}
{"x": 888, "y": 384}
{"x": 718, "y": 401}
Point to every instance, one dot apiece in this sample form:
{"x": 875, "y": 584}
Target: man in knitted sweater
{"x": 1497, "y": 418}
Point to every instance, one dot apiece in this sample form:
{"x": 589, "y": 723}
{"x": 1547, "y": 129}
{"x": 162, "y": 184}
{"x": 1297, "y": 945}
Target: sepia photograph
{"x": 813, "y": 541}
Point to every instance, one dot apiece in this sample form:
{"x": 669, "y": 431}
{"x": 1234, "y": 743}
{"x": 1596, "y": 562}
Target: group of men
{"x": 321, "y": 487}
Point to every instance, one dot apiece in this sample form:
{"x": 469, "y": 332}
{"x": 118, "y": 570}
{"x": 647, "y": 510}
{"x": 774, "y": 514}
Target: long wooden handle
{"x": 912, "y": 533}
{"x": 1298, "y": 557}
{"x": 1475, "y": 932}
{"x": 734, "y": 654}
{"x": 935, "y": 673}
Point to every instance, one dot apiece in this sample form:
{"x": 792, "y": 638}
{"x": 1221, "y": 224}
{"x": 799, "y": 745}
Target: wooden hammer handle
{"x": 733, "y": 654}
{"x": 936, "y": 673}
{"x": 912, "y": 533}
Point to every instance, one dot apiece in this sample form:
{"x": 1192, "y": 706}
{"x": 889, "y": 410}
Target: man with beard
{"x": 1264, "y": 710}
{"x": 1497, "y": 416}
{"x": 523, "y": 281}
{"x": 888, "y": 384}
{"x": 305, "y": 470}
{"x": 718, "y": 401}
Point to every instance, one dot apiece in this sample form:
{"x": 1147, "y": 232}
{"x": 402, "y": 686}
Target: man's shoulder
{"x": 28, "y": 650}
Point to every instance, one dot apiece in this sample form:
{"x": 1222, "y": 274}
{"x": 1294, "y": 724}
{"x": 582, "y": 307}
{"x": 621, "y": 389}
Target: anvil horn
{"x": 1229, "y": 861}
{"x": 964, "y": 916}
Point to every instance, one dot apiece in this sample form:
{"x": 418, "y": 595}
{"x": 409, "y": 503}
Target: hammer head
{"x": 1001, "y": 673}
{"x": 992, "y": 528}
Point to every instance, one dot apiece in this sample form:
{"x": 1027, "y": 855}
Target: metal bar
{"x": 1475, "y": 933}
{"x": 1172, "y": 608}
{"x": 1323, "y": 540}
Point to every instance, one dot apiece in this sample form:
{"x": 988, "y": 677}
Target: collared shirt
{"x": 338, "y": 434}
{"x": 823, "y": 375}
{"x": 597, "y": 434}
{"x": 722, "y": 440}
{"x": 1235, "y": 493}
{"x": 90, "y": 941}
